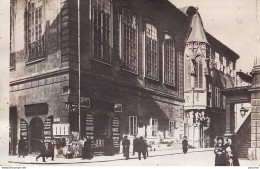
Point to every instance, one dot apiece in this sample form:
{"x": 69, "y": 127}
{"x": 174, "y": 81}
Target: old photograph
{"x": 133, "y": 83}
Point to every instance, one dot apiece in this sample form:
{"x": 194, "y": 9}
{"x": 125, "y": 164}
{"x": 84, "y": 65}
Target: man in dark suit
{"x": 51, "y": 147}
{"x": 126, "y": 145}
{"x": 42, "y": 150}
{"x": 231, "y": 153}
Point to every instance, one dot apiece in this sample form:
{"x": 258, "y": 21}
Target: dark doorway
{"x": 12, "y": 130}
{"x": 35, "y": 133}
{"x": 100, "y": 131}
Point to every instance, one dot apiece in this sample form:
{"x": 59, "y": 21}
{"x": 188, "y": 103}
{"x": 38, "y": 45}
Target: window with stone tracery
{"x": 35, "y": 30}
{"x": 101, "y": 26}
{"x": 199, "y": 73}
{"x": 151, "y": 52}
{"x": 129, "y": 40}
{"x": 169, "y": 60}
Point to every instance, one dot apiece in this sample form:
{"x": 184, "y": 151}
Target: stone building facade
{"x": 131, "y": 80}
{"x": 209, "y": 68}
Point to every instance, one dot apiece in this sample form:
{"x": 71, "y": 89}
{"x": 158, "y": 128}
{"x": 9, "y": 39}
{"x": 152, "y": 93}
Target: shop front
{"x": 100, "y": 122}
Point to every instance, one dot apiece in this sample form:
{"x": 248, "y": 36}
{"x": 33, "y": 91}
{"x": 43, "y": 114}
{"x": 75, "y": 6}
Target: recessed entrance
{"x": 35, "y": 133}
{"x": 101, "y": 130}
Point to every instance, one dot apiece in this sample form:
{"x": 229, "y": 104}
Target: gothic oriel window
{"x": 169, "y": 60}
{"x": 129, "y": 40}
{"x": 151, "y": 52}
{"x": 101, "y": 26}
{"x": 34, "y": 30}
{"x": 133, "y": 125}
{"x": 199, "y": 73}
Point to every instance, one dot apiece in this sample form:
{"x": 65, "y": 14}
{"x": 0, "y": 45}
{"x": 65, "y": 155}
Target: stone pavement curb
{"x": 113, "y": 158}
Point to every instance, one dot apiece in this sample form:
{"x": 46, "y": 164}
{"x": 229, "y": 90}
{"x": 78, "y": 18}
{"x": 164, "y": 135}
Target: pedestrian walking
{"x": 42, "y": 150}
{"x": 51, "y": 147}
{"x": 146, "y": 145}
{"x": 126, "y": 145}
{"x": 22, "y": 147}
{"x": 87, "y": 152}
{"x": 220, "y": 159}
{"x": 142, "y": 148}
{"x": 231, "y": 154}
{"x": 135, "y": 142}
{"x": 185, "y": 145}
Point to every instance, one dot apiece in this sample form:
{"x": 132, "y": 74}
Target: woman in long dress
{"x": 220, "y": 159}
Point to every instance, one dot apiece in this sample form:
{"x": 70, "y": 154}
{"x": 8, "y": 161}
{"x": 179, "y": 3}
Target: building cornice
{"x": 40, "y": 76}
{"x": 126, "y": 85}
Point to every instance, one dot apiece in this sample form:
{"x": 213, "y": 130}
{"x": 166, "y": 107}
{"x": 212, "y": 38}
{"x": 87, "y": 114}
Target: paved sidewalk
{"x": 97, "y": 159}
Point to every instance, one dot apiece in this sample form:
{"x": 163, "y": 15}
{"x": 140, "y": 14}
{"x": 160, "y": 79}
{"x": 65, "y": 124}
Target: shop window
{"x": 129, "y": 40}
{"x": 34, "y": 30}
{"x": 154, "y": 127}
{"x": 133, "y": 125}
{"x": 171, "y": 127}
{"x": 151, "y": 52}
{"x": 199, "y": 73}
{"x": 101, "y": 26}
{"x": 169, "y": 60}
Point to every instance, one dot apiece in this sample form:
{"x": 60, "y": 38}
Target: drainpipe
{"x": 79, "y": 69}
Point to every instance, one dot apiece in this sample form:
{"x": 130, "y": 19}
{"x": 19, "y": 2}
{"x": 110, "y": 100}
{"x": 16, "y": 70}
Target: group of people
{"x": 226, "y": 155}
{"x": 49, "y": 152}
{"x": 139, "y": 145}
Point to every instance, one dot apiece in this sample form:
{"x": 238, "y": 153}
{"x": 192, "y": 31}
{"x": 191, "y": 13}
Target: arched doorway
{"x": 35, "y": 133}
{"x": 100, "y": 131}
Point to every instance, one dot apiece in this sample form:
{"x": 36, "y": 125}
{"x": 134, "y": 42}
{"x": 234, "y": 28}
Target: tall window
{"x": 151, "y": 52}
{"x": 154, "y": 127}
{"x": 129, "y": 40}
{"x": 12, "y": 56}
{"x": 35, "y": 24}
{"x": 101, "y": 20}
{"x": 169, "y": 60}
{"x": 132, "y": 125}
{"x": 217, "y": 97}
{"x": 217, "y": 60}
{"x": 210, "y": 98}
{"x": 171, "y": 127}
{"x": 199, "y": 73}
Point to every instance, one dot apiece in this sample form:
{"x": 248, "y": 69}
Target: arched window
{"x": 151, "y": 52}
{"x": 101, "y": 25}
{"x": 199, "y": 73}
{"x": 129, "y": 40}
{"x": 169, "y": 60}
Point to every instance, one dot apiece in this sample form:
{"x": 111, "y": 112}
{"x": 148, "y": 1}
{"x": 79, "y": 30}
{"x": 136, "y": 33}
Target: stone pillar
{"x": 230, "y": 120}
{"x": 228, "y": 132}
{"x": 254, "y": 151}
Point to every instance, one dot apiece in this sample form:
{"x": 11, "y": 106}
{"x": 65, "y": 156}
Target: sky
{"x": 233, "y": 22}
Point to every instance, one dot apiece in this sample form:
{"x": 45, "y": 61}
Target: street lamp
{"x": 242, "y": 111}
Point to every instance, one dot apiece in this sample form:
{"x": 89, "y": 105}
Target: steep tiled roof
{"x": 197, "y": 31}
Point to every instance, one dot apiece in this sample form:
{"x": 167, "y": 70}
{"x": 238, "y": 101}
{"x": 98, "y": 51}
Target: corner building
{"x": 131, "y": 73}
